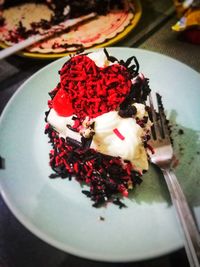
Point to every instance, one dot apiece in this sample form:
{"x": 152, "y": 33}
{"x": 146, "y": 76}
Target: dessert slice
{"x": 98, "y": 125}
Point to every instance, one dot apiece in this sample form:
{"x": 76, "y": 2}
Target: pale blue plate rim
{"x": 45, "y": 237}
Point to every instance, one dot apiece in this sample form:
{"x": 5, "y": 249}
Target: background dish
{"x": 99, "y": 32}
{"x": 58, "y": 213}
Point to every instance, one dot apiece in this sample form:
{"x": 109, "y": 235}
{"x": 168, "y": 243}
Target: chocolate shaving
{"x": 73, "y": 142}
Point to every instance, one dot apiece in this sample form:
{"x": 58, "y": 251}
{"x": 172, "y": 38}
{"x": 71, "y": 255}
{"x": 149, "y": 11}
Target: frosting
{"x": 130, "y": 147}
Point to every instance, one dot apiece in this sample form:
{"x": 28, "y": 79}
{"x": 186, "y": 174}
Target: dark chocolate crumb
{"x": 54, "y": 175}
{"x": 145, "y": 119}
{"x": 86, "y": 142}
{"x": 2, "y": 21}
{"x": 71, "y": 141}
{"x": 87, "y": 193}
{"x": 46, "y": 115}
{"x": 128, "y": 112}
{"x": 2, "y": 163}
{"x": 180, "y": 132}
{"x": 119, "y": 203}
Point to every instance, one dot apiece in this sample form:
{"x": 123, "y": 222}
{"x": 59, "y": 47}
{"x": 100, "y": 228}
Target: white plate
{"x": 57, "y": 211}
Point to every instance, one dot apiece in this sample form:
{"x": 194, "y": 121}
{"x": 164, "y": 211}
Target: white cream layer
{"x": 105, "y": 140}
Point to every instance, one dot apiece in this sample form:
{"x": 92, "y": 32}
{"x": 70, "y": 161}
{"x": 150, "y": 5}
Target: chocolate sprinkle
{"x": 128, "y": 112}
{"x": 101, "y": 218}
{"x": 180, "y": 132}
{"x": 119, "y": 203}
{"x": 2, "y": 163}
{"x": 73, "y": 142}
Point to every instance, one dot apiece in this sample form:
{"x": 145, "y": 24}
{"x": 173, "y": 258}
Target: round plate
{"x": 108, "y": 36}
{"x": 57, "y": 211}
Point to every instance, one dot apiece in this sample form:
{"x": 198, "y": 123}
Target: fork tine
{"x": 155, "y": 127}
{"x": 161, "y": 114}
{"x": 163, "y": 121}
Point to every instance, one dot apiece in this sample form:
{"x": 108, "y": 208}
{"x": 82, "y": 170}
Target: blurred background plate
{"x": 57, "y": 211}
{"x": 99, "y": 32}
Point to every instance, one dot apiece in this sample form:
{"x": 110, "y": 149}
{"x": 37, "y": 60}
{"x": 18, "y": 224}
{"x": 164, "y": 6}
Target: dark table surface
{"x": 18, "y": 246}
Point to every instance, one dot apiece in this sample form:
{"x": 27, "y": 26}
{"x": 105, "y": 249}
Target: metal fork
{"x": 163, "y": 158}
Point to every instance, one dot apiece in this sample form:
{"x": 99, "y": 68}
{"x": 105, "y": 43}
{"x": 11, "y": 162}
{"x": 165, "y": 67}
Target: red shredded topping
{"x": 118, "y": 134}
{"x": 77, "y": 123}
{"x": 91, "y": 90}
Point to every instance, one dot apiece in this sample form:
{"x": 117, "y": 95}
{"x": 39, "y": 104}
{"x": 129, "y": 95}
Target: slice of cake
{"x": 98, "y": 125}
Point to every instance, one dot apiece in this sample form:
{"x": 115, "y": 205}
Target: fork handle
{"x": 191, "y": 233}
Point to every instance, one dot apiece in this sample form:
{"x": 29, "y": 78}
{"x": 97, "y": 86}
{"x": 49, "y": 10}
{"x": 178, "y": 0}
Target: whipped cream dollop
{"x": 113, "y": 135}
{"x": 125, "y": 143}
{"x": 100, "y": 59}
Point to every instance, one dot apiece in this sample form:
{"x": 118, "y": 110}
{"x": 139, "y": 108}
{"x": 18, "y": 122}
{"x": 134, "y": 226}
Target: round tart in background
{"x": 103, "y": 30}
